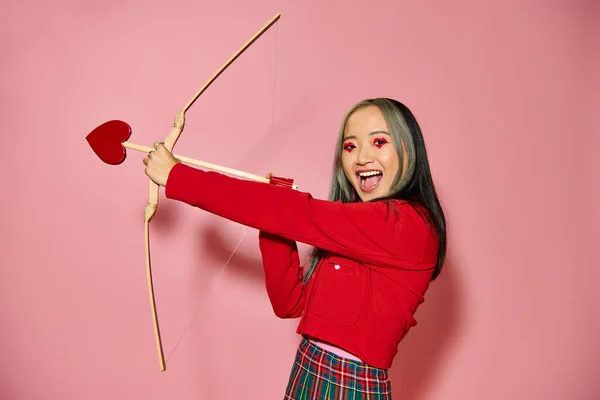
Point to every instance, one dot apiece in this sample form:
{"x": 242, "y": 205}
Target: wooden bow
{"x": 152, "y": 205}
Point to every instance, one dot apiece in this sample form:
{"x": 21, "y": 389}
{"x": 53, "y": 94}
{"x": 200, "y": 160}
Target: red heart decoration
{"x": 107, "y": 141}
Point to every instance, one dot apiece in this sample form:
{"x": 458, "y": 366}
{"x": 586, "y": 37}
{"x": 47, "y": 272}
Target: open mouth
{"x": 369, "y": 180}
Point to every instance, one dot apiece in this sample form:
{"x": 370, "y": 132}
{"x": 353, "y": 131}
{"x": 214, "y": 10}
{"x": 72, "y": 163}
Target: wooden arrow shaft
{"x": 203, "y": 164}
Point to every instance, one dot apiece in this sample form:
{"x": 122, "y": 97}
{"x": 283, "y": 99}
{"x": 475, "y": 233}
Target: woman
{"x": 378, "y": 242}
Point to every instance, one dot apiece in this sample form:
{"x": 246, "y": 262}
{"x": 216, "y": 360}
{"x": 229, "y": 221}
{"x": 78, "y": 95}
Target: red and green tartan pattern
{"x": 318, "y": 374}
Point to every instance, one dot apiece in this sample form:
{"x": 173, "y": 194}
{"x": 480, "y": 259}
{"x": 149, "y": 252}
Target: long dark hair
{"x": 413, "y": 183}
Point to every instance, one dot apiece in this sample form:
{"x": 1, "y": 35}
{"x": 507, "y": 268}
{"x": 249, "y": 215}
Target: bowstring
{"x": 247, "y": 227}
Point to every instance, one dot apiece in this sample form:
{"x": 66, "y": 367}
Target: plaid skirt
{"x": 319, "y": 374}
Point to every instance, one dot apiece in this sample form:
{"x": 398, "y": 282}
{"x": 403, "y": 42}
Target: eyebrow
{"x": 379, "y": 131}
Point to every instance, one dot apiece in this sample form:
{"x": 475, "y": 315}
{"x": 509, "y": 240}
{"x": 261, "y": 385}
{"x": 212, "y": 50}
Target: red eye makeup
{"x": 379, "y": 142}
{"x": 348, "y": 146}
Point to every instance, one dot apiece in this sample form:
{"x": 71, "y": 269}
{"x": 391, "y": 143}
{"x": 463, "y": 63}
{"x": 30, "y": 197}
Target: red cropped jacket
{"x": 363, "y": 294}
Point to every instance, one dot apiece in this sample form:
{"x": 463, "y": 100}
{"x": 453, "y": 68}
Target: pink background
{"x": 507, "y": 94}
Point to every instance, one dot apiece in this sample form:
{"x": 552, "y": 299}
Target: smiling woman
{"x": 371, "y": 123}
{"x": 378, "y": 242}
{"x": 370, "y": 160}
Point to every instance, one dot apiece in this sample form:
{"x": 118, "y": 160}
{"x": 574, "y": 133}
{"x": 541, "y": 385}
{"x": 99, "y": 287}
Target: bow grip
{"x": 169, "y": 143}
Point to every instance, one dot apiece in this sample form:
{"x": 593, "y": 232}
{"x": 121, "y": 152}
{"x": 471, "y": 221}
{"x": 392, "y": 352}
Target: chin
{"x": 364, "y": 196}
{"x": 369, "y": 197}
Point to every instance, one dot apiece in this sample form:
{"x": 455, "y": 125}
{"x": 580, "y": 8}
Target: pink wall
{"x": 506, "y": 93}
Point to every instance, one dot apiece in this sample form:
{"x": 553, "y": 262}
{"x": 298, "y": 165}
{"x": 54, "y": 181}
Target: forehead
{"x": 365, "y": 121}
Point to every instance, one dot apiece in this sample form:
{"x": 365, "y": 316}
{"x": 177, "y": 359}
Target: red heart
{"x": 107, "y": 141}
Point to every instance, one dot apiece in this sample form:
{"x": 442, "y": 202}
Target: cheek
{"x": 390, "y": 161}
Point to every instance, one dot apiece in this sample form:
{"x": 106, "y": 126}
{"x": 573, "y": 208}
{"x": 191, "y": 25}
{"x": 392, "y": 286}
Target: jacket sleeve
{"x": 283, "y": 275}
{"x": 371, "y": 232}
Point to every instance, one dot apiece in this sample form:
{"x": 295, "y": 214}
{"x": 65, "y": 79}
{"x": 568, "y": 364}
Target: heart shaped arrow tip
{"x": 107, "y": 141}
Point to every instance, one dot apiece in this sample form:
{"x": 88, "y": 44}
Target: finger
{"x": 163, "y": 151}
{"x": 156, "y": 144}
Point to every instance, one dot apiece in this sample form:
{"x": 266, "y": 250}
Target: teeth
{"x": 370, "y": 173}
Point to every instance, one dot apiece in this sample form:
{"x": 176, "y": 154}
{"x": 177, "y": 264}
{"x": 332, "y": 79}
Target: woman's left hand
{"x": 159, "y": 163}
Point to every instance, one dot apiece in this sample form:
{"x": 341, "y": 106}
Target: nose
{"x": 365, "y": 155}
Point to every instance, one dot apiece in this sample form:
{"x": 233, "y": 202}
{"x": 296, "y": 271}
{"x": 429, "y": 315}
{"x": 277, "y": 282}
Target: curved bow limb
{"x": 152, "y": 205}
{"x": 149, "y": 212}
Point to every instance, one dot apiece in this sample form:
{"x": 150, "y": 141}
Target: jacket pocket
{"x": 339, "y": 290}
